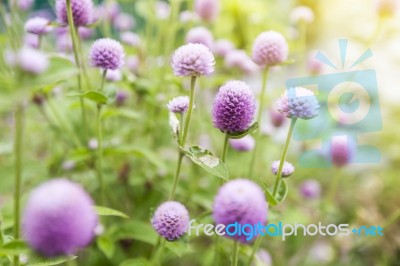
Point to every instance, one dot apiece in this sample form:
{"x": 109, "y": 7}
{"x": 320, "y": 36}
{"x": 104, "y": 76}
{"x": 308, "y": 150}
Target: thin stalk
{"x": 176, "y": 178}
{"x": 283, "y": 157}
{"x": 100, "y": 142}
{"x": 333, "y": 187}
{"x": 235, "y": 254}
{"x": 259, "y": 116}
{"x": 19, "y": 123}
{"x": 256, "y": 246}
{"x": 225, "y": 149}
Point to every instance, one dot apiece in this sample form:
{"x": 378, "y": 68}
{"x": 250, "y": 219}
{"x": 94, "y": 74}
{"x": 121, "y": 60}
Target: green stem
{"x": 100, "y": 142}
{"x": 225, "y": 149}
{"x": 256, "y": 246}
{"x": 19, "y": 123}
{"x": 259, "y": 116}
{"x": 333, "y": 186}
{"x": 283, "y": 157}
{"x": 235, "y": 254}
{"x": 176, "y": 178}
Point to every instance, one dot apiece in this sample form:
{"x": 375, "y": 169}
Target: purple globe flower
{"x": 241, "y": 201}
{"x": 114, "y": 75}
{"x": 121, "y": 97}
{"x": 25, "y": 4}
{"x": 200, "y": 35}
{"x": 246, "y": 143}
{"x": 59, "y": 218}
{"x": 37, "y": 25}
{"x": 222, "y": 47}
{"x": 179, "y": 104}
{"x": 270, "y": 48}
{"x": 32, "y": 61}
{"x": 207, "y": 9}
{"x": 193, "y": 59}
{"x": 171, "y": 220}
{"x": 107, "y": 54}
{"x": 310, "y": 189}
{"x": 82, "y": 11}
{"x": 130, "y": 38}
{"x": 239, "y": 59}
{"x": 342, "y": 150}
{"x": 234, "y": 107}
{"x": 133, "y": 63}
{"x": 298, "y": 102}
{"x": 277, "y": 119}
{"x": 287, "y": 169}
{"x": 124, "y": 22}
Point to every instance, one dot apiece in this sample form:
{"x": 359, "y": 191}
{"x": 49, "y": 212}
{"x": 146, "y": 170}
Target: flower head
{"x": 207, "y": 9}
{"x": 25, "y": 4}
{"x": 179, "y": 104}
{"x": 200, "y": 35}
{"x": 234, "y": 107}
{"x": 287, "y": 169}
{"x": 298, "y": 102}
{"x": 270, "y": 48}
{"x": 82, "y": 11}
{"x": 124, "y": 22}
{"x": 193, "y": 59}
{"x": 59, "y": 218}
{"x": 171, "y": 220}
{"x": 310, "y": 189}
{"x": 239, "y": 59}
{"x": 246, "y": 143}
{"x": 277, "y": 119}
{"x": 342, "y": 150}
{"x": 302, "y": 14}
{"x": 31, "y": 60}
{"x": 241, "y": 201}
{"x": 37, "y": 25}
{"x": 222, "y": 47}
{"x": 130, "y": 38}
{"x": 107, "y": 54}
{"x": 121, "y": 97}
{"x": 114, "y": 75}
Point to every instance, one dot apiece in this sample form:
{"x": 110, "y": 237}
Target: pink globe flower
{"x": 246, "y": 143}
{"x": 222, "y": 47}
{"x": 82, "y": 11}
{"x": 207, "y": 9}
{"x": 37, "y": 25}
{"x": 298, "y": 102}
{"x": 193, "y": 59}
{"x": 270, "y": 48}
{"x": 200, "y": 35}
{"x": 287, "y": 169}
{"x": 342, "y": 150}
{"x": 107, "y": 54}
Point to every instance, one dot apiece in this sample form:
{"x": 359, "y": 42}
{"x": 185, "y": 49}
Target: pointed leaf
{"x": 106, "y": 245}
{"x": 94, "y": 96}
{"x": 240, "y": 135}
{"x": 103, "y": 211}
{"x": 270, "y": 198}
{"x": 53, "y": 261}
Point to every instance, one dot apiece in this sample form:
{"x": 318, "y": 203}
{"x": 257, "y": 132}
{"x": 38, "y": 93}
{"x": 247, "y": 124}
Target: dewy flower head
{"x": 241, "y": 201}
{"x": 171, "y": 220}
{"x": 59, "y": 218}
{"x": 207, "y": 9}
{"x": 200, "y": 35}
{"x": 298, "y": 102}
{"x": 107, "y": 54}
{"x": 246, "y": 143}
{"x": 270, "y": 48}
{"x": 179, "y": 104}
{"x": 193, "y": 59}
{"x": 37, "y": 25}
{"x": 287, "y": 169}
{"x": 82, "y": 11}
{"x": 234, "y": 107}
{"x": 342, "y": 150}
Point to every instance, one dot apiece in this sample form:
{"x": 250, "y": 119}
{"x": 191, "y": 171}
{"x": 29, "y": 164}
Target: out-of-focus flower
{"x": 240, "y": 201}
{"x": 314, "y": 66}
{"x": 24, "y": 4}
{"x": 188, "y": 16}
{"x": 287, "y": 169}
{"x": 239, "y": 59}
{"x": 171, "y": 220}
{"x": 107, "y": 54}
{"x": 234, "y": 107}
{"x": 31, "y": 40}
{"x": 82, "y": 11}
{"x": 93, "y": 144}
{"x": 114, "y": 75}
{"x": 193, "y": 59}
{"x": 322, "y": 252}
{"x": 162, "y": 10}
{"x": 85, "y": 33}
{"x": 179, "y": 104}
{"x": 59, "y": 218}
{"x": 124, "y": 22}
{"x": 342, "y": 150}
{"x": 277, "y": 119}
{"x": 133, "y": 63}
{"x": 263, "y": 258}
{"x": 302, "y": 14}
{"x": 386, "y": 8}
{"x": 298, "y": 102}
{"x": 207, "y": 9}
{"x": 200, "y": 35}
{"x": 68, "y": 165}
{"x": 64, "y": 43}
{"x": 222, "y": 47}
{"x": 310, "y": 189}
{"x": 130, "y": 38}
{"x": 37, "y": 25}
{"x": 121, "y": 97}
{"x": 246, "y": 143}
{"x": 270, "y": 48}
{"x": 31, "y": 61}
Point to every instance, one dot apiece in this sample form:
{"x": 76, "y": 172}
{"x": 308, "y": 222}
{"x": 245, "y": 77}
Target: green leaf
{"x": 103, "y": 211}
{"x": 134, "y": 229}
{"x": 94, "y": 96}
{"x": 270, "y": 198}
{"x": 240, "y": 135}
{"x": 136, "y": 262}
{"x": 110, "y": 91}
{"x": 138, "y": 151}
{"x": 281, "y": 196}
{"x": 179, "y": 248}
{"x": 288, "y": 62}
{"x": 14, "y": 247}
{"x": 126, "y": 113}
{"x": 53, "y": 261}
{"x": 207, "y": 161}
{"x": 106, "y": 245}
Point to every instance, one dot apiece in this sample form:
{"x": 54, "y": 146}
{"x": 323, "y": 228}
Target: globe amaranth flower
{"x": 200, "y": 35}
{"x": 85, "y": 33}
{"x": 121, "y": 97}
{"x": 171, "y": 220}
{"x": 179, "y": 104}
{"x": 277, "y": 119}
{"x": 310, "y": 189}
{"x": 193, "y": 59}
{"x": 82, "y": 11}
{"x": 31, "y": 60}
{"x": 222, "y": 47}
{"x": 59, "y": 218}
{"x": 207, "y": 9}
{"x": 342, "y": 150}
{"x": 37, "y": 25}
{"x": 298, "y": 102}
{"x": 241, "y": 201}
{"x": 287, "y": 169}
{"x": 302, "y": 14}
{"x": 25, "y": 4}
{"x": 270, "y": 48}
{"x": 234, "y": 107}
{"x": 124, "y": 22}
{"x": 133, "y": 63}
{"x": 130, "y": 38}
{"x": 239, "y": 59}
{"x": 114, "y": 75}
{"x": 246, "y": 143}
{"x": 106, "y": 54}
